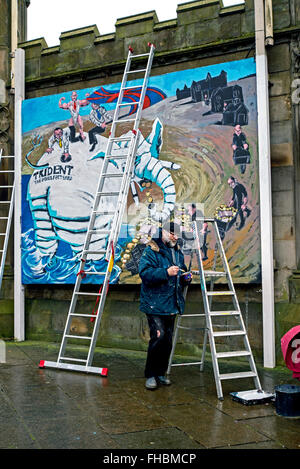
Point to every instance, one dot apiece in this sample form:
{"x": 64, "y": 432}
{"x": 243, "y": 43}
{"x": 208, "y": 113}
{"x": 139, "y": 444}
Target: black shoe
{"x": 65, "y": 159}
{"x": 163, "y": 380}
{"x": 93, "y": 147}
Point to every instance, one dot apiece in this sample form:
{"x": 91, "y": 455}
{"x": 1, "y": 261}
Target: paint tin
{"x": 287, "y": 400}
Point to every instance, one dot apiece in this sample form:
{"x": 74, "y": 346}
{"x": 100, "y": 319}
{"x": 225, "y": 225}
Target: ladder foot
{"x": 42, "y": 364}
{"x": 104, "y": 372}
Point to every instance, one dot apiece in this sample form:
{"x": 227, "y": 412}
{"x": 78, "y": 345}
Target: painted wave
{"x": 60, "y": 269}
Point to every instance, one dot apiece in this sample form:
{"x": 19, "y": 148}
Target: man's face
{"x": 237, "y": 129}
{"x": 191, "y": 210}
{"x": 95, "y": 106}
{"x": 58, "y": 133}
{"x": 169, "y": 238}
{"x": 74, "y": 96}
{"x": 231, "y": 183}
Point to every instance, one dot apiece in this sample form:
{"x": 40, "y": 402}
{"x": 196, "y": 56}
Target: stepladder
{"x": 7, "y": 191}
{"x": 222, "y": 321}
{"x": 109, "y": 204}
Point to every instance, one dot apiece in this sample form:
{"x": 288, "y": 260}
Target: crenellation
{"x": 136, "y": 25}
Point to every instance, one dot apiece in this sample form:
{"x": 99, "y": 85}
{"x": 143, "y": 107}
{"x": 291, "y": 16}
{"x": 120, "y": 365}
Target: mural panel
{"x": 198, "y": 153}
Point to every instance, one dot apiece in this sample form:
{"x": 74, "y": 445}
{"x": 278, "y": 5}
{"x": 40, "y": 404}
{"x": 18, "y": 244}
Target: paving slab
{"x": 209, "y": 426}
{"x": 171, "y": 438}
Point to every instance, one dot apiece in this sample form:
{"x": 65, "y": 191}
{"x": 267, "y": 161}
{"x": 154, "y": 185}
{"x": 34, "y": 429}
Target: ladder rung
{"x": 5, "y": 201}
{"x": 124, "y": 120}
{"x": 131, "y": 87}
{"x": 186, "y": 364}
{"x": 237, "y": 353}
{"x": 95, "y": 231}
{"x": 73, "y": 359}
{"x": 228, "y": 333}
{"x": 6, "y": 156}
{"x": 130, "y": 104}
{"x": 6, "y": 187}
{"x": 224, "y": 313}
{"x": 191, "y": 315}
{"x": 88, "y": 251}
{"x": 78, "y": 337}
{"x": 3, "y": 218}
{"x": 87, "y": 293}
{"x": 219, "y": 293}
{"x": 146, "y": 54}
{"x": 101, "y": 212}
{"x": 120, "y": 139}
{"x": 241, "y": 374}
{"x": 139, "y": 70}
{"x": 214, "y": 273}
{"x": 109, "y": 193}
{"x": 7, "y": 171}
{"x": 83, "y": 315}
{"x": 112, "y": 175}
{"x": 93, "y": 273}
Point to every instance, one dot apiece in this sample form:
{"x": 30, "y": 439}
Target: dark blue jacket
{"x": 161, "y": 293}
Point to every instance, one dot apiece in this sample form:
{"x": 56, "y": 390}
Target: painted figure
{"x": 196, "y": 214}
{"x": 73, "y": 107}
{"x": 241, "y": 155}
{"x": 239, "y": 201}
{"x": 100, "y": 118}
{"x": 61, "y": 139}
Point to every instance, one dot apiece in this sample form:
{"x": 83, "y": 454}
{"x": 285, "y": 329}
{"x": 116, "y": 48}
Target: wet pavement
{"x": 47, "y": 408}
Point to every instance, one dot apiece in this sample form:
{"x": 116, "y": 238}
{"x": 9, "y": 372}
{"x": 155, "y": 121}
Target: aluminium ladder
{"x": 210, "y": 330}
{"x": 112, "y": 234}
{"x": 7, "y": 187}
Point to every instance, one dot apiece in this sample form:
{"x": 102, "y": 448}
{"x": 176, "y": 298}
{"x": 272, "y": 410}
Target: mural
{"x": 198, "y": 148}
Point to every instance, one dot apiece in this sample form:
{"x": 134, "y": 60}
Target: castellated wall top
{"x": 201, "y": 27}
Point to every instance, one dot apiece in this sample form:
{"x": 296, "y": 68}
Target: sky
{"x": 50, "y": 18}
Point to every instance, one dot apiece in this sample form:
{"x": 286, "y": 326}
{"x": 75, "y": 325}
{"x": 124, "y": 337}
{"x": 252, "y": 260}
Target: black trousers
{"x": 160, "y": 344}
{"x": 93, "y": 132}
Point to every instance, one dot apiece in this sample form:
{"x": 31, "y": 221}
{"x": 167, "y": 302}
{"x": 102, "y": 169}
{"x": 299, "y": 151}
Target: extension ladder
{"x": 112, "y": 234}
{"x": 210, "y": 331}
{"x": 9, "y": 188}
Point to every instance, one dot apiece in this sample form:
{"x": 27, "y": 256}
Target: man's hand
{"x": 173, "y": 270}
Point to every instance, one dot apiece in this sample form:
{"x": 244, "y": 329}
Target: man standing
{"x": 239, "y": 200}
{"x": 161, "y": 269}
{"x": 100, "y": 118}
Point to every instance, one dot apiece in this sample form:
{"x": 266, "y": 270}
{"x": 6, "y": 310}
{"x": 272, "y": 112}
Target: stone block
{"x": 281, "y": 137}
{"x": 280, "y": 108}
{"x": 284, "y": 254}
{"x": 136, "y": 25}
{"x": 247, "y": 23}
{"x": 282, "y": 178}
{"x": 281, "y": 14}
{"x": 78, "y": 38}
{"x": 284, "y": 228}
{"x": 198, "y": 11}
{"x": 283, "y": 203}
{"x": 279, "y": 58}
{"x": 281, "y": 154}
{"x": 281, "y": 83}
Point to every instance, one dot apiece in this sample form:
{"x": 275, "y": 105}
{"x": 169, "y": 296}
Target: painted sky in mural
{"x": 198, "y": 146}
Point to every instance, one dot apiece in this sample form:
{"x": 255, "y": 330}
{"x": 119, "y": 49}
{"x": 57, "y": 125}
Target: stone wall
{"x": 203, "y": 33}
